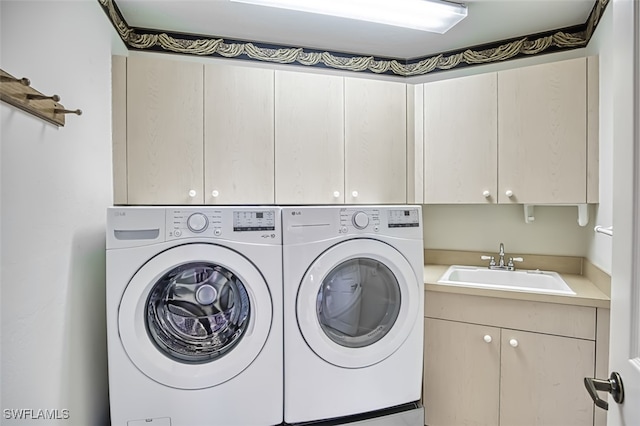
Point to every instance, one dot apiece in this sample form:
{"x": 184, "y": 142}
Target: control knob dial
{"x": 360, "y": 220}
{"x": 197, "y": 222}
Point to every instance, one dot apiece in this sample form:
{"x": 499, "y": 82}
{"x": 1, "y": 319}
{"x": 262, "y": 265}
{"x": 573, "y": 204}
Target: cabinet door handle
{"x": 354, "y": 194}
{"x": 509, "y": 193}
{"x": 613, "y": 386}
{"x": 514, "y": 343}
{"x": 192, "y": 193}
{"x": 215, "y": 193}
{"x": 336, "y": 194}
{"x": 486, "y": 194}
{"x": 487, "y": 338}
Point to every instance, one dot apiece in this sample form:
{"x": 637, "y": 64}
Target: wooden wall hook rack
{"x": 19, "y": 93}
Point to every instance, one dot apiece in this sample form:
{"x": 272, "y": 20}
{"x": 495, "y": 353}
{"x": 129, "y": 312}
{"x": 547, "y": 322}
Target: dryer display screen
{"x": 405, "y": 218}
{"x": 252, "y": 220}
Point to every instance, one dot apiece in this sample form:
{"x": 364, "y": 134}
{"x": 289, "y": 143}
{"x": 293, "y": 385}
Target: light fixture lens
{"x": 424, "y": 15}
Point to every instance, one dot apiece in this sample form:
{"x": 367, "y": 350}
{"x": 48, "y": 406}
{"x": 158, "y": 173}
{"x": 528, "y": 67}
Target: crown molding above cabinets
{"x": 200, "y": 45}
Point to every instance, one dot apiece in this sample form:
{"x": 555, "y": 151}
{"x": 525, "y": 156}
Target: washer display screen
{"x": 197, "y": 312}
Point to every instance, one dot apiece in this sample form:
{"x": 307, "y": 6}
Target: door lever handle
{"x": 613, "y": 385}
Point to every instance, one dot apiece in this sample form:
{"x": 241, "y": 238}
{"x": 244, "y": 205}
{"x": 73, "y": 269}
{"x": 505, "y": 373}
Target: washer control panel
{"x": 403, "y": 218}
{"x": 359, "y": 219}
{"x": 192, "y": 223}
{"x": 242, "y": 224}
{"x": 252, "y": 220}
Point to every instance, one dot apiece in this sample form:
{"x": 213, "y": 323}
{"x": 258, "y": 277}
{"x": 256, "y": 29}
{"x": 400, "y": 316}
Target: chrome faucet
{"x": 509, "y": 266}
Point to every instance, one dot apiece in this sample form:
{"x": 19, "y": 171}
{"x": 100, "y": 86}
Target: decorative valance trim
{"x": 190, "y": 44}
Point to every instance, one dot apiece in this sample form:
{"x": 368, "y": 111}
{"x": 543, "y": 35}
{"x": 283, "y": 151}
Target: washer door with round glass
{"x": 358, "y": 303}
{"x": 195, "y": 316}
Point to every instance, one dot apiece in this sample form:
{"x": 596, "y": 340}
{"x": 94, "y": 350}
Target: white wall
{"x": 555, "y": 230}
{"x": 56, "y": 185}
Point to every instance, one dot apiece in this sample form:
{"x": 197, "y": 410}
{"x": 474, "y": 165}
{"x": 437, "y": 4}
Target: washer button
{"x": 197, "y": 222}
{"x": 177, "y": 232}
{"x": 217, "y": 232}
{"x": 360, "y": 220}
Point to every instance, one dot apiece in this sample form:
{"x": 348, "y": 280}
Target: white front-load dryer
{"x": 353, "y": 311}
{"x": 194, "y": 316}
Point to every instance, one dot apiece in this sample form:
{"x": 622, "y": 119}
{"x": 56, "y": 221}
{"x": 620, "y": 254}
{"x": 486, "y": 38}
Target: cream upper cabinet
{"x": 164, "y": 131}
{"x": 309, "y": 129}
{"x": 542, "y": 113}
{"x": 119, "y": 128}
{"x": 461, "y": 140}
{"x": 238, "y": 135}
{"x": 375, "y": 141}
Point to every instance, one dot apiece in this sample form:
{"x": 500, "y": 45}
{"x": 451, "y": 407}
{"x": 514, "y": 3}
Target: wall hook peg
{"x": 67, "y": 111}
{"x": 24, "y": 81}
{"x": 54, "y": 98}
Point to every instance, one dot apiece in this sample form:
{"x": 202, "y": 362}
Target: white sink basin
{"x": 519, "y": 280}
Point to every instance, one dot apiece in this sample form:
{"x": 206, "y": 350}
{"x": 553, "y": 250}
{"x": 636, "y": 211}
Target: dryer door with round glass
{"x": 195, "y": 316}
{"x": 358, "y": 303}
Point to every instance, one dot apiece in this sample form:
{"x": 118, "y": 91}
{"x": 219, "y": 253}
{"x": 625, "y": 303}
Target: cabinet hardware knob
{"x": 509, "y": 193}
{"x": 336, "y": 194}
{"x": 192, "y": 193}
{"x": 215, "y": 193}
{"x": 354, "y": 194}
{"x": 486, "y": 194}
{"x": 487, "y": 338}
{"x": 513, "y": 343}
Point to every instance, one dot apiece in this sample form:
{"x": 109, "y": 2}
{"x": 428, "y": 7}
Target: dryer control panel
{"x": 372, "y": 219}
{"x": 302, "y": 224}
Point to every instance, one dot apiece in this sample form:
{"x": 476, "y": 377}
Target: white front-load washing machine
{"x": 353, "y": 312}
{"x": 194, "y": 316}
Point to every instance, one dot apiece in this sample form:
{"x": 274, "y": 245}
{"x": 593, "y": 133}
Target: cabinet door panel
{"x": 119, "y": 128}
{"x": 164, "y": 131}
{"x": 309, "y": 128}
{"x": 542, "y": 380}
{"x": 238, "y": 135}
{"x": 542, "y": 133}
{"x": 460, "y": 140}
{"x": 375, "y": 141}
{"x": 461, "y": 374}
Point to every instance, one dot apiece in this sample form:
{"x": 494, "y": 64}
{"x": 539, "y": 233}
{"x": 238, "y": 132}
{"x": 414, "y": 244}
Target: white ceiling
{"x": 488, "y": 21}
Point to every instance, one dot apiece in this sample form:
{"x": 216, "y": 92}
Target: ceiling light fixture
{"x": 425, "y": 15}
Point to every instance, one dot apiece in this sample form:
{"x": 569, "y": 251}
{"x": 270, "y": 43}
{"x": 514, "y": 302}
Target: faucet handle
{"x": 514, "y": 259}
{"x": 491, "y": 259}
